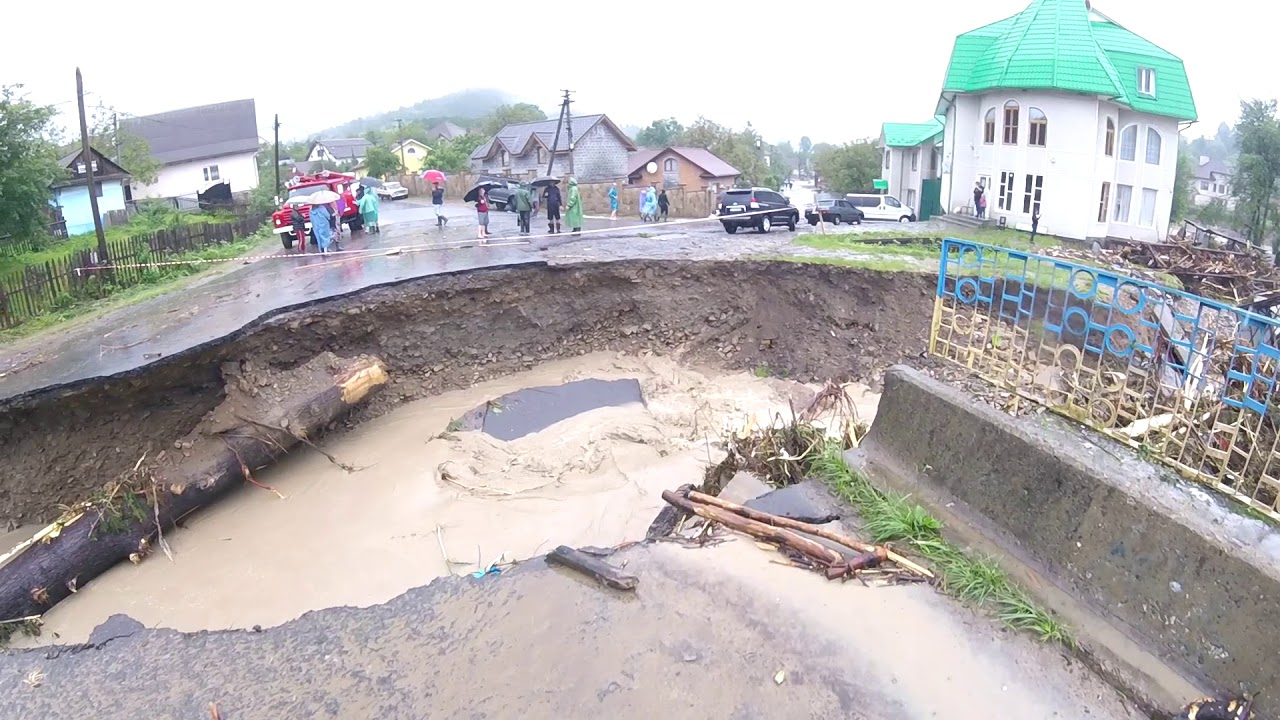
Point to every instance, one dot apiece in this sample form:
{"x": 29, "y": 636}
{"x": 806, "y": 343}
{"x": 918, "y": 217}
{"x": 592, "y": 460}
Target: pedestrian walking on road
{"x": 573, "y": 208}
{"x": 552, "y": 197}
{"x": 368, "y": 206}
{"x": 321, "y": 225}
{"x": 524, "y": 206}
{"x": 437, "y": 203}
{"x": 649, "y": 205}
{"x": 299, "y": 223}
{"x": 613, "y": 202}
{"x": 482, "y": 216}
{"x": 664, "y": 204}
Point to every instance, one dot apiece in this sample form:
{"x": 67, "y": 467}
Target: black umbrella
{"x": 545, "y": 181}
{"x": 370, "y": 182}
{"x": 474, "y": 193}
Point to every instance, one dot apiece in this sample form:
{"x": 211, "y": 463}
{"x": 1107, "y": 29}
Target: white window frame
{"x": 1005, "y": 198}
{"x": 1109, "y": 140}
{"x": 989, "y": 128}
{"x": 1144, "y": 207}
{"x": 1158, "y": 144}
{"x": 1104, "y": 203}
{"x": 1204, "y": 185}
{"x": 1121, "y": 191}
{"x": 211, "y": 173}
{"x": 911, "y": 197}
{"x": 1031, "y": 194}
{"x": 1037, "y": 128}
{"x": 915, "y": 161}
{"x": 1009, "y": 130}
{"x": 670, "y": 165}
{"x": 886, "y": 158}
{"x": 1147, "y": 81}
{"x": 410, "y": 151}
{"x": 1133, "y": 148}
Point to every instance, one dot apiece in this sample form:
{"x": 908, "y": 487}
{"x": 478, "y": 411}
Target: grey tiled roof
{"x": 346, "y": 148}
{"x": 197, "y": 133}
{"x": 515, "y": 138}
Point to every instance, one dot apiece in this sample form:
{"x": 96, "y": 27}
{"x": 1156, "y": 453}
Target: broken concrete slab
{"x": 1140, "y": 563}
{"x": 743, "y": 487}
{"x": 806, "y": 501}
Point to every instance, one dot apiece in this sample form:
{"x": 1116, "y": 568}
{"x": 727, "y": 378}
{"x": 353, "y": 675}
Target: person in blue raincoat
{"x": 368, "y": 205}
{"x": 613, "y": 202}
{"x": 649, "y": 207}
{"x": 321, "y": 215}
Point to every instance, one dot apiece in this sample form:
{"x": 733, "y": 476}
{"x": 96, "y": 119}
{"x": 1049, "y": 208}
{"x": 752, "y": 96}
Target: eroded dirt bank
{"x": 449, "y": 331}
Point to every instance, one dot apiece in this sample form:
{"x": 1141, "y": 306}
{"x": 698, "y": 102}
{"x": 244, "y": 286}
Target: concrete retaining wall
{"x": 1165, "y": 562}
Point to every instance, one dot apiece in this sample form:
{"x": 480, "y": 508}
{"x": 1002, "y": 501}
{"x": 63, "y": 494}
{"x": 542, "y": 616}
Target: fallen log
{"x": 769, "y": 533}
{"x": 593, "y": 567}
{"x": 128, "y": 521}
{"x": 815, "y": 530}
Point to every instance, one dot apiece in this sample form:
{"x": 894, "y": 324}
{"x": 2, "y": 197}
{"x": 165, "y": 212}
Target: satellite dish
{"x": 651, "y": 168}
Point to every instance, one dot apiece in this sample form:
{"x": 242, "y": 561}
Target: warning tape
{"x": 409, "y": 249}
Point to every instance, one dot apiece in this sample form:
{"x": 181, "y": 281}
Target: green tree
{"x": 382, "y": 162}
{"x": 848, "y": 168}
{"x": 453, "y": 155}
{"x": 744, "y": 150}
{"x": 783, "y": 159}
{"x": 661, "y": 133}
{"x": 505, "y": 115}
{"x": 1182, "y": 186}
{"x": 28, "y": 163}
{"x": 1258, "y": 167}
{"x": 128, "y": 150}
{"x": 806, "y": 153}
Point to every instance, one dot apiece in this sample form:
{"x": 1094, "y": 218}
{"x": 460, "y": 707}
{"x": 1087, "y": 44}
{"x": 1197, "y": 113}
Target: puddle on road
{"x": 594, "y": 478}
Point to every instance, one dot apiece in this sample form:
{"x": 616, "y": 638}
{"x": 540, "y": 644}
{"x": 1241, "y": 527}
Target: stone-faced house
{"x": 691, "y": 167}
{"x": 599, "y": 149}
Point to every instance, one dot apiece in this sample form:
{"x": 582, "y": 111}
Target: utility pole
{"x": 568, "y": 127}
{"x": 276, "y": 127}
{"x": 555, "y": 144}
{"x": 86, "y": 154}
{"x": 115, "y": 132}
{"x": 400, "y": 134}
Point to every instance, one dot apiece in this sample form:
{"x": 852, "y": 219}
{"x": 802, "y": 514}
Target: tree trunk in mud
{"x": 86, "y": 541}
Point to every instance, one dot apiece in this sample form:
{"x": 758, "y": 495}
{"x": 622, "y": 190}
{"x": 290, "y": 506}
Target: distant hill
{"x": 460, "y": 107}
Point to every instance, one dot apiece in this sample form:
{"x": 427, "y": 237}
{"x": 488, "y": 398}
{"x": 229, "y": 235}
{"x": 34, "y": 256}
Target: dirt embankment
{"x": 444, "y": 332}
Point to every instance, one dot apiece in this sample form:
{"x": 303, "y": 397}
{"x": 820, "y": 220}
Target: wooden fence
{"x": 79, "y": 275}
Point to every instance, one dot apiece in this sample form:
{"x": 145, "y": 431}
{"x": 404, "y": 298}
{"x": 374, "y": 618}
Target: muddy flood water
{"x": 430, "y": 480}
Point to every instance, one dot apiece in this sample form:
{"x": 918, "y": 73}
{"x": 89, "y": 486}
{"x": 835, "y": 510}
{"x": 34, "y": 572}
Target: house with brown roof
{"x": 598, "y": 150}
{"x": 199, "y": 147}
{"x": 691, "y": 167}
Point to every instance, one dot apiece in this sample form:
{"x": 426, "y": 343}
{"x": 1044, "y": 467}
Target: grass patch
{"x": 886, "y": 264}
{"x": 978, "y": 581}
{"x": 155, "y": 282}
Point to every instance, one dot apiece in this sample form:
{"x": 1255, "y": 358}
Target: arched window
{"x": 669, "y": 165}
{"x": 1039, "y": 127}
{"x": 1153, "y": 146}
{"x": 989, "y": 128}
{"x": 1011, "y": 123}
{"x": 1110, "y": 144}
{"x": 1129, "y": 143}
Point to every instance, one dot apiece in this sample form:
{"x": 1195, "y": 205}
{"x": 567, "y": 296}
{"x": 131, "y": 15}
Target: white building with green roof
{"x": 1061, "y": 110}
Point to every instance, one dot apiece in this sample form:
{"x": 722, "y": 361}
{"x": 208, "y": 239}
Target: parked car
{"x": 500, "y": 197}
{"x": 392, "y": 191}
{"x": 835, "y": 212}
{"x": 881, "y": 207}
{"x": 759, "y": 208}
{"x": 305, "y": 185}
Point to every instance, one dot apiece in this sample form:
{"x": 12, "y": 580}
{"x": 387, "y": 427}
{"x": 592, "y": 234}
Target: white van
{"x": 882, "y": 207}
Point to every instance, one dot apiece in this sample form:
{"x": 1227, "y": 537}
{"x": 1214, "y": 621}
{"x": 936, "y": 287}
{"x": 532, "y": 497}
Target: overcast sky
{"x": 831, "y": 70}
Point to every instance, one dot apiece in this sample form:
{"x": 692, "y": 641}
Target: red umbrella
{"x": 434, "y": 176}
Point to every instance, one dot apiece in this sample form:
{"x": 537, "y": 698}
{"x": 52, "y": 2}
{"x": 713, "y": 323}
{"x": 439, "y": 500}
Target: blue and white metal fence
{"x": 1186, "y": 380}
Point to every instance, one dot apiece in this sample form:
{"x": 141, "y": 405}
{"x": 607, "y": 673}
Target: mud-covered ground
{"x": 448, "y": 331}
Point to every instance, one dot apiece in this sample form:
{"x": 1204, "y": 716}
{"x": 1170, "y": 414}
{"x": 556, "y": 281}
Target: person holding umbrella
{"x": 436, "y": 178}
{"x": 482, "y": 215}
{"x": 552, "y": 197}
{"x": 321, "y": 216}
{"x": 573, "y": 209}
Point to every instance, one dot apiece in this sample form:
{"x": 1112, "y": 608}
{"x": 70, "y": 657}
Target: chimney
{"x": 1087, "y": 5}
{"x": 1204, "y": 160}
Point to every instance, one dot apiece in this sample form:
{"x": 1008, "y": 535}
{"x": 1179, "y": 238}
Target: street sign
{"x": 879, "y": 184}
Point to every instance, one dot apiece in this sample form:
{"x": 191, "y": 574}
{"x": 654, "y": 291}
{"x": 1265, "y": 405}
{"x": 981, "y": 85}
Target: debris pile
{"x": 1239, "y": 278}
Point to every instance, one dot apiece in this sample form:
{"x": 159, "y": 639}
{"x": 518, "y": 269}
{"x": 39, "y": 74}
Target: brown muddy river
{"x": 361, "y": 538}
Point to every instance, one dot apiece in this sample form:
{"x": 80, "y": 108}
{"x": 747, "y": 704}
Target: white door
{"x": 891, "y": 208}
{"x": 877, "y": 211}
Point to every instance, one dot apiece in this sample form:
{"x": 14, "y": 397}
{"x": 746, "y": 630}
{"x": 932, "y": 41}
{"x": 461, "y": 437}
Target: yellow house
{"x": 411, "y": 153}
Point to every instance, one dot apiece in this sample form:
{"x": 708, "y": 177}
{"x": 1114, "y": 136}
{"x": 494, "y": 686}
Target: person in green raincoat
{"x": 573, "y": 208}
{"x": 368, "y": 206}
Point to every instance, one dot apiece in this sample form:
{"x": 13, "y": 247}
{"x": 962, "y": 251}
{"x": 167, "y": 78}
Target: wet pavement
{"x": 721, "y": 632}
{"x": 212, "y": 308}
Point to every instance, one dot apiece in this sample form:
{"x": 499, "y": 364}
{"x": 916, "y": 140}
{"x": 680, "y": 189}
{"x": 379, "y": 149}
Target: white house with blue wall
{"x": 71, "y": 194}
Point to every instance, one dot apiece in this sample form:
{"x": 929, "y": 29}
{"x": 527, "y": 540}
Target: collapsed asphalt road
{"x": 216, "y": 306}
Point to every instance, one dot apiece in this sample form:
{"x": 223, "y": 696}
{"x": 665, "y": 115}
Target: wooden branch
{"x": 77, "y": 548}
{"x": 770, "y": 533}
{"x": 593, "y": 567}
{"x": 815, "y": 530}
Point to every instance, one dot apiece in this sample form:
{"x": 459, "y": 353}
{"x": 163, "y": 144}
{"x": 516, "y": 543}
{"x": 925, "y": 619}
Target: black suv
{"x": 834, "y": 211}
{"x": 759, "y": 208}
{"x": 500, "y": 197}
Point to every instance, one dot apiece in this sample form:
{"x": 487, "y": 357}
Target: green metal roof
{"x": 1062, "y": 45}
{"x": 910, "y": 134}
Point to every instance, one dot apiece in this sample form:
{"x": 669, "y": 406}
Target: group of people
{"x": 326, "y": 220}
{"x": 526, "y": 205}
{"x": 653, "y": 204}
